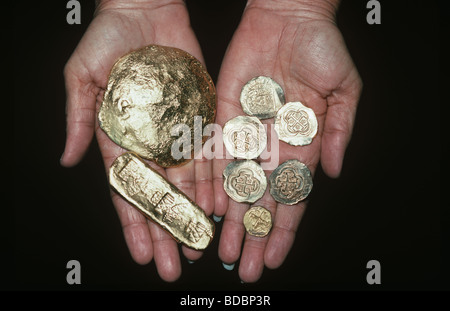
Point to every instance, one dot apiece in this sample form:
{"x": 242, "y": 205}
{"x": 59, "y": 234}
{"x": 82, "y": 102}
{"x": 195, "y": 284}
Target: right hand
{"x": 118, "y": 28}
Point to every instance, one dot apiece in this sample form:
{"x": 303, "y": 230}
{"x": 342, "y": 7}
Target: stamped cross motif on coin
{"x": 289, "y": 182}
{"x": 245, "y": 183}
{"x": 297, "y": 122}
{"x": 258, "y": 221}
{"x": 244, "y": 140}
{"x": 261, "y": 95}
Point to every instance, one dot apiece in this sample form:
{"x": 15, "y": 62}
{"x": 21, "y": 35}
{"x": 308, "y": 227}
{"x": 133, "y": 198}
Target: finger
{"x": 221, "y": 199}
{"x": 204, "y": 196}
{"x": 165, "y": 249}
{"x": 233, "y": 232}
{"x": 225, "y": 111}
{"x": 183, "y": 178}
{"x": 338, "y": 125}
{"x": 204, "y": 192}
{"x": 135, "y": 230}
{"x": 80, "y": 110}
{"x": 287, "y": 217}
{"x": 134, "y": 224}
{"x": 228, "y": 106}
{"x": 283, "y": 233}
{"x": 251, "y": 265}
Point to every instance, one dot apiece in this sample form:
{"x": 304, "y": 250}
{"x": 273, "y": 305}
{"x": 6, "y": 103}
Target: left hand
{"x": 301, "y": 48}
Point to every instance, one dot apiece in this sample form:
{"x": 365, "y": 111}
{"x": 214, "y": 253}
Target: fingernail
{"x": 190, "y": 261}
{"x": 228, "y": 267}
{"x": 217, "y": 218}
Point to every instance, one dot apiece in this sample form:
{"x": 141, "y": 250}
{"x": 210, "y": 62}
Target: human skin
{"x": 297, "y": 44}
{"x": 118, "y": 28}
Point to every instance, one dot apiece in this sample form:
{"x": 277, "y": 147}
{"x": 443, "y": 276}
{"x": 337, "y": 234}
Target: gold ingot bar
{"x": 161, "y": 201}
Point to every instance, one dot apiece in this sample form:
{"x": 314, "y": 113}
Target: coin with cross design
{"x": 244, "y": 181}
{"x": 258, "y": 221}
{"x": 244, "y": 137}
{"x": 291, "y": 182}
{"x": 296, "y": 124}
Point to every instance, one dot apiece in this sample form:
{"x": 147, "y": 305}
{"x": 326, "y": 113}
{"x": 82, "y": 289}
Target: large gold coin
{"x": 244, "y": 137}
{"x": 291, "y": 182}
{"x": 258, "y": 221}
{"x": 244, "y": 181}
{"x": 161, "y": 201}
{"x": 262, "y": 97}
{"x": 150, "y": 91}
{"x": 296, "y": 124}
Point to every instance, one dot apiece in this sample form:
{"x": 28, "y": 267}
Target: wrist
{"x": 101, "y": 5}
{"x": 307, "y": 9}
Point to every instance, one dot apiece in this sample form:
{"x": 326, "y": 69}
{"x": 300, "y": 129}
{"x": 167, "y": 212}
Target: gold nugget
{"x": 150, "y": 91}
{"x": 244, "y": 181}
{"x": 161, "y": 201}
{"x": 258, "y": 221}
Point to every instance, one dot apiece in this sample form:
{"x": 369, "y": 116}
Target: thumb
{"x": 338, "y": 125}
{"x": 80, "y": 111}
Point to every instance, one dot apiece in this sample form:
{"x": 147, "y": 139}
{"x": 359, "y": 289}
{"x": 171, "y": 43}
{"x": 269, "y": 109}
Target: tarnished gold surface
{"x": 291, "y": 182}
{"x": 244, "y": 181}
{"x": 151, "y": 90}
{"x": 296, "y": 124}
{"x": 161, "y": 201}
{"x": 262, "y": 97}
{"x": 244, "y": 137}
{"x": 258, "y": 221}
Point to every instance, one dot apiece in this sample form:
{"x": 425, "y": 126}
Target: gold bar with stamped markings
{"x": 161, "y": 201}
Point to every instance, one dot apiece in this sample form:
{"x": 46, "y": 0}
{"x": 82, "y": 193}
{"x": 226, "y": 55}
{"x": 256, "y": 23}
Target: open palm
{"x": 305, "y": 53}
{"x": 117, "y": 29}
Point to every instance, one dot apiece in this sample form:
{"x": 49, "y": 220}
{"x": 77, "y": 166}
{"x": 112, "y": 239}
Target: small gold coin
{"x": 161, "y": 201}
{"x": 262, "y": 97}
{"x": 258, "y": 221}
{"x": 291, "y": 182}
{"x": 244, "y": 137}
{"x": 296, "y": 124}
{"x": 244, "y": 181}
{"x": 149, "y": 92}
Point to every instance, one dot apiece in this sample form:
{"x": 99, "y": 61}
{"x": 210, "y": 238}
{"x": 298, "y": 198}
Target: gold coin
{"x": 258, "y": 221}
{"x": 150, "y": 91}
{"x": 296, "y": 124}
{"x": 244, "y": 181}
{"x": 161, "y": 201}
{"x": 244, "y": 137}
{"x": 291, "y": 182}
{"x": 262, "y": 97}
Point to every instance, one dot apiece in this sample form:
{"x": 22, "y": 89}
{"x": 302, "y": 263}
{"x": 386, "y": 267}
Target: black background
{"x": 385, "y": 206}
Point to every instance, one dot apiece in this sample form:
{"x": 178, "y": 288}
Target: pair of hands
{"x": 295, "y": 42}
